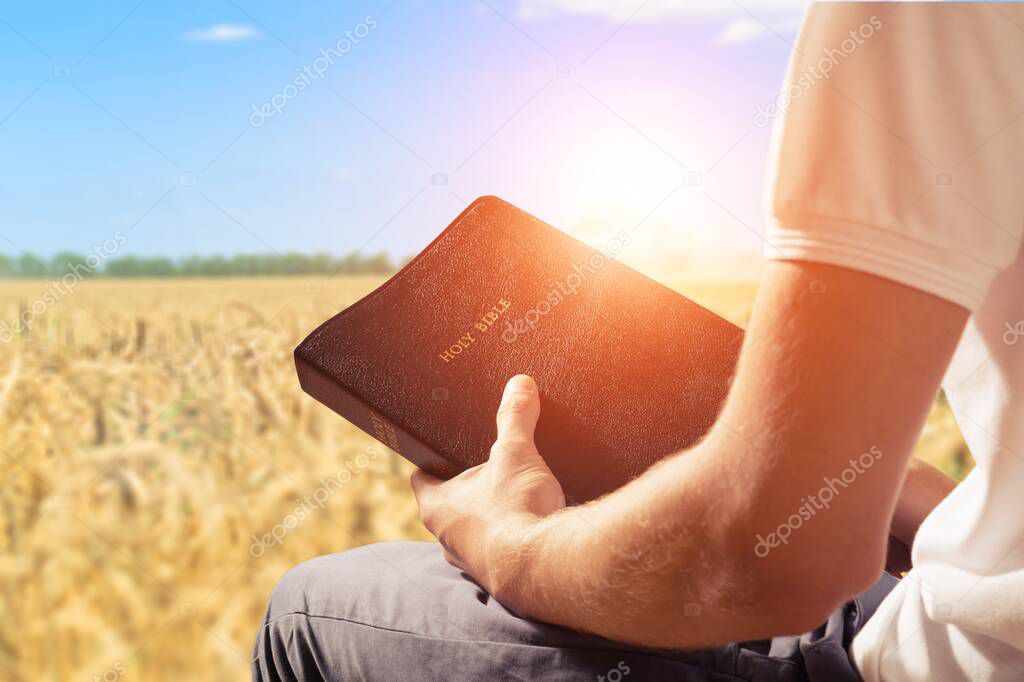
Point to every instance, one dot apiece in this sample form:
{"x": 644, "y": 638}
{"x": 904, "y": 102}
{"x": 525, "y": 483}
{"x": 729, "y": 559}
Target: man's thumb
{"x": 519, "y": 410}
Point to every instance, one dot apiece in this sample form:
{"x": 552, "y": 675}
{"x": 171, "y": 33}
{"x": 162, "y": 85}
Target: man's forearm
{"x": 608, "y": 568}
{"x": 668, "y": 561}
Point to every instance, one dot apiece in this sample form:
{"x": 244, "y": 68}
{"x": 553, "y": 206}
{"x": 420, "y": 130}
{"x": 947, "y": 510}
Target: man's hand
{"x": 481, "y": 515}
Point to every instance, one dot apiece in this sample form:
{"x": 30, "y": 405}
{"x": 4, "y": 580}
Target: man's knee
{"x": 330, "y": 585}
{"x": 316, "y": 603}
{"x": 303, "y": 585}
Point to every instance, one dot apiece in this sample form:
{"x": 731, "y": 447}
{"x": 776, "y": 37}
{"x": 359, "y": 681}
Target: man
{"x": 896, "y": 267}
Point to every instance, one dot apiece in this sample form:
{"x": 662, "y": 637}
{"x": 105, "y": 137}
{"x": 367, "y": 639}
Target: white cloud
{"x": 223, "y": 33}
{"x": 740, "y": 30}
{"x": 738, "y": 24}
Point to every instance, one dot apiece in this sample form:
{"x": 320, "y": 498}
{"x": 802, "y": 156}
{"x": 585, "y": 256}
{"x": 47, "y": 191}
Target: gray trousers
{"x": 397, "y": 611}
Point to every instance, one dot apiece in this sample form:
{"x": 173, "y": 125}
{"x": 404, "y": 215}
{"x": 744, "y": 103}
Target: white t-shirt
{"x": 899, "y": 151}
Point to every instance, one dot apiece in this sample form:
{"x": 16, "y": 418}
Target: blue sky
{"x": 583, "y": 113}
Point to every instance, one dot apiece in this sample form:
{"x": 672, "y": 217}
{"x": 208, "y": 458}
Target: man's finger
{"x": 424, "y": 487}
{"x": 422, "y": 481}
{"x": 519, "y": 410}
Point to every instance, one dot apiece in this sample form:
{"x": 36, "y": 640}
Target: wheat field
{"x": 161, "y": 470}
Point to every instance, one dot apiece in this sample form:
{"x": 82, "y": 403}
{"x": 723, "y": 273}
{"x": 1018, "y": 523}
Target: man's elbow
{"x": 798, "y": 594}
{"x": 768, "y": 598}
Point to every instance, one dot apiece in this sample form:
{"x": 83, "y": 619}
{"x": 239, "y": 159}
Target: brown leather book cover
{"x": 629, "y": 371}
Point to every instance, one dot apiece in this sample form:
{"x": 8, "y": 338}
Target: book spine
{"x": 361, "y": 414}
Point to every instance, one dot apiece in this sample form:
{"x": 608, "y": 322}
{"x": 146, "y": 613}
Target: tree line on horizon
{"x": 243, "y": 265}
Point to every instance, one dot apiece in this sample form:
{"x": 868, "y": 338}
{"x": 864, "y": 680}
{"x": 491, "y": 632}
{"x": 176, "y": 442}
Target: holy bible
{"x": 629, "y": 371}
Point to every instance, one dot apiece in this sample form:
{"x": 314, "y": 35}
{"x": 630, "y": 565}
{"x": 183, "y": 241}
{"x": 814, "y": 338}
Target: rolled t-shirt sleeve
{"x": 898, "y": 147}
